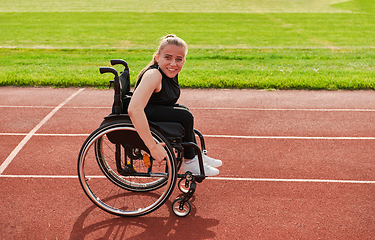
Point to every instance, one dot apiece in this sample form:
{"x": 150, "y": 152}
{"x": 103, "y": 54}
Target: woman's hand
{"x": 158, "y": 153}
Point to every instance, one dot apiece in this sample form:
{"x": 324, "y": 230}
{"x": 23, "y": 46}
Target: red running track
{"x": 297, "y": 165}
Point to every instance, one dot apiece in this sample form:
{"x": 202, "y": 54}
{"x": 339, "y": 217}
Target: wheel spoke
{"x": 118, "y": 192}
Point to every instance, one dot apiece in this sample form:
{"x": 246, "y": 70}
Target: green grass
{"x": 205, "y": 68}
{"x": 103, "y": 30}
{"x": 263, "y": 46}
{"x": 245, "y": 6}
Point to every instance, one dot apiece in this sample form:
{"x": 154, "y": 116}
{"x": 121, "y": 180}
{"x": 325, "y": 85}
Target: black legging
{"x": 176, "y": 113}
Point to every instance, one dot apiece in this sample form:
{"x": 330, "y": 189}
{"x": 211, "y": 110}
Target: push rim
{"x": 115, "y": 193}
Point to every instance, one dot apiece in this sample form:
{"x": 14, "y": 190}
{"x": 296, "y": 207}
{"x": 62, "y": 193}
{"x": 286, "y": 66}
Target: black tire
{"x": 181, "y": 209}
{"x": 127, "y": 195}
{"x": 182, "y": 185}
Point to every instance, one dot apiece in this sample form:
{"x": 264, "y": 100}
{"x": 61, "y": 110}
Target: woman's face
{"x": 171, "y": 59}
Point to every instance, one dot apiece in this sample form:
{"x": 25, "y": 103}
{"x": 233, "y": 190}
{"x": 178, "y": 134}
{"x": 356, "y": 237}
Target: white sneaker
{"x": 193, "y": 167}
{"x": 211, "y": 161}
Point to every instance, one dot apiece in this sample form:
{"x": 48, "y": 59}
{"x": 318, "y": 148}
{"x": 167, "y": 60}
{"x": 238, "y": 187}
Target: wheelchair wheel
{"x": 183, "y": 185}
{"x": 117, "y": 179}
{"x": 180, "y": 208}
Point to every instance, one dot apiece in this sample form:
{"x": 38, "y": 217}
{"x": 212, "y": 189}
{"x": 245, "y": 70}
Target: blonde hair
{"x": 169, "y": 39}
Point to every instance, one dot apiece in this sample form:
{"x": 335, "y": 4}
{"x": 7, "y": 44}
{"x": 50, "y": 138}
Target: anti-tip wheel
{"x": 181, "y": 209}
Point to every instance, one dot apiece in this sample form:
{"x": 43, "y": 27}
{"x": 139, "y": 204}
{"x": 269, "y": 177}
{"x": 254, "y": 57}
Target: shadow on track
{"x": 171, "y": 227}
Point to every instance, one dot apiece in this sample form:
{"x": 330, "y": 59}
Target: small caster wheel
{"x": 183, "y": 185}
{"x": 181, "y": 209}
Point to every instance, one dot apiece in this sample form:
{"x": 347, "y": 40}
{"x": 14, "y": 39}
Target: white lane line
{"x": 84, "y": 107}
{"x": 211, "y": 178}
{"x": 62, "y": 134}
{"x": 48, "y": 134}
{"x": 212, "y": 136}
{"x": 38, "y": 176}
{"x": 13, "y": 134}
{"x": 224, "y": 108}
{"x": 13, "y": 154}
{"x": 291, "y": 137}
{"x": 49, "y": 176}
{"x": 11, "y": 106}
{"x": 289, "y": 109}
{"x": 290, "y": 180}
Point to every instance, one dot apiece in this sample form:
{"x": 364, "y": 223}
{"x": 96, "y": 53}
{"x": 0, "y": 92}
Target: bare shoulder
{"x": 152, "y": 73}
{"x": 151, "y": 80}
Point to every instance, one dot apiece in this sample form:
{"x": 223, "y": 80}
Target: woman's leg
{"x": 176, "y": 113}
{"x": 181, "y": 114}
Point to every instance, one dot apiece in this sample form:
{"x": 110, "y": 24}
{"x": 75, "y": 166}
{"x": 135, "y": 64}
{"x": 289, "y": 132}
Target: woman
{"x": 154, "y": 99}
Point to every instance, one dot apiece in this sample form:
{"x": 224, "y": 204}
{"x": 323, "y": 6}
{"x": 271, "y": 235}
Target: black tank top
{"x": 170, "y": 90}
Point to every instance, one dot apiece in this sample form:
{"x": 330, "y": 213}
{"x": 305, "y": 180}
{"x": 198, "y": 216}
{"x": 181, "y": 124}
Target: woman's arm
{"x": 151, "y": 82}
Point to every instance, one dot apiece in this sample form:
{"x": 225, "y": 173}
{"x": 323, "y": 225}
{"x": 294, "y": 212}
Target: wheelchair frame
{"x": 115, "y": 168}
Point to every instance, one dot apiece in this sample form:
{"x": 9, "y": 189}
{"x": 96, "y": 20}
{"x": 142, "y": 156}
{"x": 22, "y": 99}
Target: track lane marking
{"x": 290, "y": 109}
{"x": 212, "y": 136}
{"x": 291, "y": 137}
{"x": 225, "y": 108}
{"x": 18, "y": 106}
{"x": 15, "y": 151}
{"x": 213, "y": 178}
{"x": 290, "y": 180}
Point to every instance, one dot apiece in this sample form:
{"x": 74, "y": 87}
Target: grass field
{"x": 246, "y": 6}
{"x": 317, "y": 44}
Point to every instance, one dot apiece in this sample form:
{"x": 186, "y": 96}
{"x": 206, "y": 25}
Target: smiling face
{"x": 171, "y": 59}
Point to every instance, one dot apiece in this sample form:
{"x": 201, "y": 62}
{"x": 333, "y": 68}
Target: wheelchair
{"x": 116, "y": 170}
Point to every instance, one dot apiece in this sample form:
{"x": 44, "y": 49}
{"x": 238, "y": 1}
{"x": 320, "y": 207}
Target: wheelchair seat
{"x": 171, "y": 130}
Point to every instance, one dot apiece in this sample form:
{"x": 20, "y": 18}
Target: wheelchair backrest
{"x": 124, "y": 82}
{"x": 121, "y": 86}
